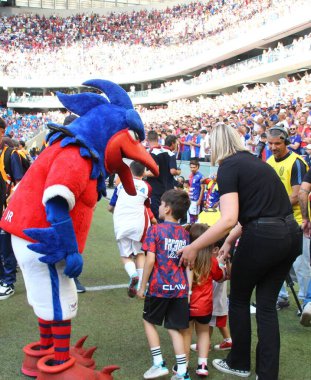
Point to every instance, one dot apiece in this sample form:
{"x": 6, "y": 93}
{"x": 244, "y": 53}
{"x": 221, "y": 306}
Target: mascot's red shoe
{"x": 71, "y": 370}
{"x": 32, "y": 354}
{"x": 78, "y": 347}
{"x": 82, "y": 355}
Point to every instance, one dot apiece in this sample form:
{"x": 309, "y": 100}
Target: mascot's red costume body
{"x": 50, "y": 214}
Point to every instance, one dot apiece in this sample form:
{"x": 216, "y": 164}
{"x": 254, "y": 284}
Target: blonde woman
{"x": 255, "y": 208}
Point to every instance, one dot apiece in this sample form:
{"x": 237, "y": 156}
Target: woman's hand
{"x": 224, "y": 252}
{"x": 188, "y": 256}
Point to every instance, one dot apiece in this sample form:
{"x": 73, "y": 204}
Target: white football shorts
{"x": 52, "y": 295}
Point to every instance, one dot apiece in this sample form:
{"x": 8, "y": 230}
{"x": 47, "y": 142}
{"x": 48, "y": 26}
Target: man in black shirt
{"x": 166, "y": 161}
{"x": 171, "y": 144}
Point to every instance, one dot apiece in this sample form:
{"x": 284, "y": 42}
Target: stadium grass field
{"x": 113, "y": 322}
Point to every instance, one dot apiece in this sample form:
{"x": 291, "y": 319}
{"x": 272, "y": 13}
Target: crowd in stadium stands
{"x": 251, "y": 111}
{"x": 285, "y": 90}
{"x": 120, "y": 43}
{"x": 280, "y": 53}
{"x": 298, "y": 47}
{"x": 22, "y": 126}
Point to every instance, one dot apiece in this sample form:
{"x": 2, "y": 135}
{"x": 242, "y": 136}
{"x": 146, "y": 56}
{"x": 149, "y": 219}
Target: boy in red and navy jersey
{"x": 167, "y": 296}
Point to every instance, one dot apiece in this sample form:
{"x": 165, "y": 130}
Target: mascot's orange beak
{"x": 123, "y": 145}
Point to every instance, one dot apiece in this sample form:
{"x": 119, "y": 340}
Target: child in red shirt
{"x": 206, "y": 269}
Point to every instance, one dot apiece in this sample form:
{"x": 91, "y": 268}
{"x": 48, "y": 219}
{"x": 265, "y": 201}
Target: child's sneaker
{"x": 132, "y": 289}
{"x": 223, "y": 346}
{"x": 174, "y": 369}
{"x": 185, "y": 376}
{"x": 156, "y": 371}
{"x": 202, "y": 370}
{"x": 194, "y": 347}
{"x": 6, "y": 291}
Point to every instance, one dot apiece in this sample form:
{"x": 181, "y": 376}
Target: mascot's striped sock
{"x": 61, "y": 335}
{"x": 46, "y": 337}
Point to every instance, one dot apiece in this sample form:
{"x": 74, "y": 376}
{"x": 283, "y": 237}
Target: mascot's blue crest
{"x": 100, "y": 117}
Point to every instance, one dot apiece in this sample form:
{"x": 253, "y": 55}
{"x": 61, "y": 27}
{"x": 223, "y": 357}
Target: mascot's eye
{"x": 134, "y": 135}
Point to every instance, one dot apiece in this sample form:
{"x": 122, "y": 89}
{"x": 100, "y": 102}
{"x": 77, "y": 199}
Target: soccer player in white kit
{"x": 131, "y": 218}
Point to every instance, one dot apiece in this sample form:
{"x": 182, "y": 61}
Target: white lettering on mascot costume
{"x": 50, "y": 214}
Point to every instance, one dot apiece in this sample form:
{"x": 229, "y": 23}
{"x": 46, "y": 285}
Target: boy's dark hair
{"x": 169, "y": 140}
{"x": 152, "y": 136}
{"x": 22, "y": 143}
{"x": 194, "y": 161}
{"x": 178, "y": 201}
{"x": 137, "y": 168}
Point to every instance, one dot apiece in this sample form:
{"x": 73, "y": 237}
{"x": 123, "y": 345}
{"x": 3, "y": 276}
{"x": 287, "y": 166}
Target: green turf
{"x": 114, "y": 322}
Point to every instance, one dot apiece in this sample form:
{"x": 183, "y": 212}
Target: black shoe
{"x": 79, "y": 286}
{"x": 282, "y": 303}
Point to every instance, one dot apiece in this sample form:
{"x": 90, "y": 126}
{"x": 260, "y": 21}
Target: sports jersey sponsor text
{"x": 172, "y": 246}
{"x": 174, "y": 287}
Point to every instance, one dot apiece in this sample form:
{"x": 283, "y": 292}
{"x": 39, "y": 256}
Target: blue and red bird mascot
{"x": 50, "y": 213}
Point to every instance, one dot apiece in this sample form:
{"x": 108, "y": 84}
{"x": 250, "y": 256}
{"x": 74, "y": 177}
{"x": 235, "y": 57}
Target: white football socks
{"x": 130, "y": 268}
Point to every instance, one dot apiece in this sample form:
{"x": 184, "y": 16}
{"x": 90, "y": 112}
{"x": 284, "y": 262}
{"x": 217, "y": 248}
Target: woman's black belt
{"x": 273, "y": 220}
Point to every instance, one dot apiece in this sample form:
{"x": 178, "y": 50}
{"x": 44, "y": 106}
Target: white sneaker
{"x": 305, "y": 318}
{"x": 222, "y": 366}
{"x": 194, "y": 347}
{"x": 156, "y": 371}
{"x": 6, "y": 291}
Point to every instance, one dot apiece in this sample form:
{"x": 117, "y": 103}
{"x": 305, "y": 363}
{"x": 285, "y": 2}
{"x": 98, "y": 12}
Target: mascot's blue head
{"x": 107, "y": 130}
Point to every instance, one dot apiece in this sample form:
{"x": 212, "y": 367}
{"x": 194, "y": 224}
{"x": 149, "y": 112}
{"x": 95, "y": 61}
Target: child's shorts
{"x": 203, "y": 320}
{"x": 219, "y": 321}
{"x": 128, "y": 247}
{"x": 173, "y": 311}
